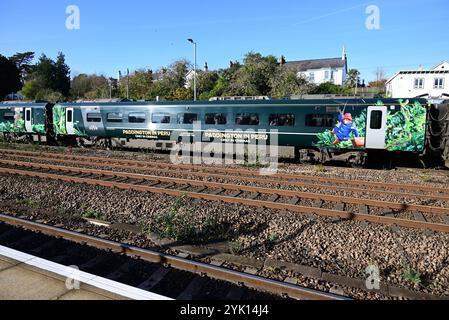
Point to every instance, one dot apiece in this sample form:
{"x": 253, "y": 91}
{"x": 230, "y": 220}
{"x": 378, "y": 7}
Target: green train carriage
{"x": 302, "y": 125}
{"x": 21, "y": 121}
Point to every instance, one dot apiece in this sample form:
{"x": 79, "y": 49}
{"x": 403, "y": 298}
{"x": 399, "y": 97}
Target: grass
{"x": 257, "y": 164}
{"x": 236, "y": 247}
{"x": 178, "y": 224}
{"x": 318, "y": 168}
{"x": 273, "y": 238}
{"x": 92, "y": 214}
{"x": 411, "y": 275}
{"x": 27, "y": 203}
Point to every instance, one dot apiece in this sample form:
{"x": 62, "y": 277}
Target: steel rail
{"x": 236, "y": 170}
{"x": 227, "y": 186}
{"x": 243, "y": 201}
{"x": 246, "y": 179}
{"x": 218, "y": 273}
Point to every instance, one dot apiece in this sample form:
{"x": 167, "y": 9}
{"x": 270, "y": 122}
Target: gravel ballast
{"x": 339, "y": 247}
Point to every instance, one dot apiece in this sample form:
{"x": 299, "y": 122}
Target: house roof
{"x": 417, "y": 72}
{"x": 314, "y": 64}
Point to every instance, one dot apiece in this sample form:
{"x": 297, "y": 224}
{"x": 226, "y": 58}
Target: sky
{"x": 116, "y": 35}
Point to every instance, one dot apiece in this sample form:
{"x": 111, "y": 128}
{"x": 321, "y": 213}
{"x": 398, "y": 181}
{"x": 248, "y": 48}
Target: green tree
{"x": 139, "y": 85}
{"x": 206, "y": 84}
{"x": 174, "y": 77}
{"x": 61, "y": 75}
{"x": 51, "y": 77}
{"x": 23, "y": 63}
{"x": 328, "y": 88}
{"x": 253, "y": 78}
{"x": 30, "y": 89}
{"x": 286, "y": 83}
{"x": 352, "y": 80}
{"x": 9, "y": 77}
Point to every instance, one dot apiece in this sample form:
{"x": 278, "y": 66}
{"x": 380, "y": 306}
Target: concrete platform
{"x": 25, "y": 277}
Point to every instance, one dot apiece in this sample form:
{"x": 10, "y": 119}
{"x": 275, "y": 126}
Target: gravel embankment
{"x": 345, "y": 248}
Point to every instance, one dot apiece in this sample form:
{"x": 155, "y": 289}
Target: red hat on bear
{"x": 347, "y": 116}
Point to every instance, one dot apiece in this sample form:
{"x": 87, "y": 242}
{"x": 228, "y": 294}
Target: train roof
{"x": 22, "y": 104}
{"x": 337, "y": 102}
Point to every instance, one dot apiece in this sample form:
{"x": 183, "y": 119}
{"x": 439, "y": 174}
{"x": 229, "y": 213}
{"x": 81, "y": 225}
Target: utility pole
{"x": 127, "y": 84}
{"x": 194, "y": 67}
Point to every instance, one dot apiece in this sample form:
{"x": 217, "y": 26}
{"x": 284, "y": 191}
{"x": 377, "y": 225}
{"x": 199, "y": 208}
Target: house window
{"x": 282, "y": 120}
{"x": 187, "y": 118}
{"x": 438, "y": 83}
{"x": 93, "y": 117}
{"x": 160, "y": 118}
{"x": 247, "y": 119}
{"x": 332, "y": 74}
{"x": 319, "y": 120}
{"x": 137, "y": 117}
{"x": 312, "y": 76}
{"x": 215, "y": 119}
{"x": 419, "y": 83}
{"x": 326, "y": 75}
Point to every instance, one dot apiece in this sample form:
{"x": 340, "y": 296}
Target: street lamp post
{"x": 194, "y": 68}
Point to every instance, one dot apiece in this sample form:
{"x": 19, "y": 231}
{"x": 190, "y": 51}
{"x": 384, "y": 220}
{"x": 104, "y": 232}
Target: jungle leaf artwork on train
{"x": 59, "y": 120}
{"x": 406, "y": 129}
{"x": 16, "y": 126}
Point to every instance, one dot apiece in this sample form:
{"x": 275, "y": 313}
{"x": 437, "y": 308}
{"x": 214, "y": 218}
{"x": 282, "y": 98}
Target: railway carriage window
{"x": 215, "y": 119}
{"x": 319, "y": 120}
{"x": 69, "y": 116}
{"x": 28, "y": 115}
{"x": 137, "y": 117}
{"x": 93, "y": 117}
{"x": 282, "y": 120}
{"x": 160, "y": 118}
{"x": 187, "y": 118}
{"x": 8, "y": 116}
{"x": 247, "y": 119}
{"x": 376, "y": 120}
{"x": 115, "y": 117}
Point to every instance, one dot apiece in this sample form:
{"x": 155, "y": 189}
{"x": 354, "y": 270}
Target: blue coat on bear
{"x": 344, "y": 130}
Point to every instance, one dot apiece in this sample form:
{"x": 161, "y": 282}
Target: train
{"x": 356, "y": 130}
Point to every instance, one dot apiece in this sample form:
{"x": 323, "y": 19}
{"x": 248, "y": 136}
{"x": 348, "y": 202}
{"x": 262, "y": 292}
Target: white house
{"x": 318, "y": 71}
{"x": 431, "y": 84}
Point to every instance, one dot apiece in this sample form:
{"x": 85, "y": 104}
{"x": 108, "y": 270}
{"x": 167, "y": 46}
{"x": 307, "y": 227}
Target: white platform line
{"x": 83, "y": 277}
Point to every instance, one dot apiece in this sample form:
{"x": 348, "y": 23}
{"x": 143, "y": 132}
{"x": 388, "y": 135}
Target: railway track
{"x": 170, "y": 276}
{"x": 319, "y": 204}
{"x": 239, "y": 174}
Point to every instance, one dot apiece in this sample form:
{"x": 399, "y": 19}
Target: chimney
{"x": 206, "y": 67}
{"x": 282, "y": 60}
{"x": 231, "y": 64}
{"x": 344, "y": 56}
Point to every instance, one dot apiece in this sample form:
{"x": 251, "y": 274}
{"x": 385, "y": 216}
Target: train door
{"x": 28, "y": 120}
{"x": 69, "y": 121}
{"x": 376, "y": 127}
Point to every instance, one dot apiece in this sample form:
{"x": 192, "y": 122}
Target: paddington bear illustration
{"x": 343, "y": 131}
